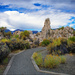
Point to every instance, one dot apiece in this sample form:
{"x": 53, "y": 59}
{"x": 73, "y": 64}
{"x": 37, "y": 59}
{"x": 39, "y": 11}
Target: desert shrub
{"x": 38, "y": 59}
{"x": 74, "y": 32}
{"x": 40, "y": 44}
{"x": 5, "y": 61}
{"x": 57, "y": 42}
{"x": 15, "y": 36}
{"x": 51, "y": 61}
{"x": 50, "y": 47}
{"x": 24, "y": 34}
{"x": 63, "y": 40}
{"x": 72, "y": 38}
{"x": 2, "y": 30}
{"x": 8, "y": 34}
{"x": 45, "y": 42}
{"x": 61, "y": 28}
{"x": 36, "y": 42}
{"x": 4, "y": 40}
{"x": 4, "y": 51}
{"x": 54, "y": 45}
{"x": 33, "y": 46}
{"x": 16, "y": 44}
{"x": 71, "y": 44}
{"x": 27, "y": 45}
{"x": 63, "y": 59}
{"x": 34, "y": 55}
{"x": 71, "y": 47}
{"x": 58, "y": 46}
{"x": 50, "y": 39}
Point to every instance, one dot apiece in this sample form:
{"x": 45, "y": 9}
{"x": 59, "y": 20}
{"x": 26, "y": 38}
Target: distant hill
{"x": 7, "y": 30}
{"x": 34, "y": 32}
{"x": 16, "y": 30}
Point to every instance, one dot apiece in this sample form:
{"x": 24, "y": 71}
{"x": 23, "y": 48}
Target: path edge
{"x": 10, "y": 63}
{"x": 38, "y": 69}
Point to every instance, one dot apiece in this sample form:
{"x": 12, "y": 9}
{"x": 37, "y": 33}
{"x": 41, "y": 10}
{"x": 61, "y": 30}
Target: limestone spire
{"x": 46, "y": 28}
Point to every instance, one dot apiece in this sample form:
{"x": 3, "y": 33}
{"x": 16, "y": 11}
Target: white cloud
{"x": 58, "y": 4}
{"x": 71, "y": 25}
{"x": 35, "y": 20}
{"x": 12, "y": 29}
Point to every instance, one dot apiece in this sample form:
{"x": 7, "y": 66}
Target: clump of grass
{"x": 34, "y": 55}
{"x": 1, "y": 69}
{"x": 5, "y": 61}
{"x": 72, "y": 38}
{"x": 63, "y": 59}
{"x": 4, "y": 40}
{"x": 16, "y": 51}
{"x": 51, "y": 61}
{"x": 38, "y": 59}
{"x": 45, "y": 42}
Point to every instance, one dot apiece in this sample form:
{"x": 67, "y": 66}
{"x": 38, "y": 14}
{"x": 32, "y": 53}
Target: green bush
{"x": 15, "y": 36}
{"x": 8, "y": 34}
{"x": 34, "y": 55}
{"x": 50, "y": 39}
{"x": 38, "y": 59}
{"x": 57, "y": 42}
{"x": 16, "y": 44}
{"x": 61, "y": 28}
{"x": 45, "y": 42}
{"x": 4, "y": 40}
{"x": 5, "y": 61}
{"x": 72, "y": 38}
{"x": 63, "y": 40}
{"x": 2, "y": 30}
{"x": 71, "y": 44}
{"x": 74, "y": 32}
{"x": 24, "y": 34}
{"x": 63, "y": 59}
{"x": 54, "y": 45}
{"x": 50, "y": 47}
{"x": 51, "y": 61}
{"x": 4, "y": 51}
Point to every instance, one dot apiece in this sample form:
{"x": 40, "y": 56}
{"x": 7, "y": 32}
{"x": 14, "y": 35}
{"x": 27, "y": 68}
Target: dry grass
{"x": 16, "y": 51}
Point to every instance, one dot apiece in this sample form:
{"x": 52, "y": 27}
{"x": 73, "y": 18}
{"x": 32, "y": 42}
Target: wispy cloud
{"x": 30, "y": 14}
{"x": 16, "y": 20}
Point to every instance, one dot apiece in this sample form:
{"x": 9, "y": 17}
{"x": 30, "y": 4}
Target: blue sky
{"x": 31, "y": 14}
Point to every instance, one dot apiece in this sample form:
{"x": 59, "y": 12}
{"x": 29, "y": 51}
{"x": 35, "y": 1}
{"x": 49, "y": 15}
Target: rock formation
{"x": 17, "y": 33}
{"x": 1, "y": 35}
{"x": 48, "y": 32}
{"x": 46, "y": 29}
{"x": 66, "y": 32}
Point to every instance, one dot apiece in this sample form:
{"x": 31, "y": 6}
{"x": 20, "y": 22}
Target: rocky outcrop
{"x": 46, "y": 29}
{"x": 17, "y": 33}
{"x": 1, "y": 35}
{"x": 66, "y": 32}
{"x": 48, "y": 32}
